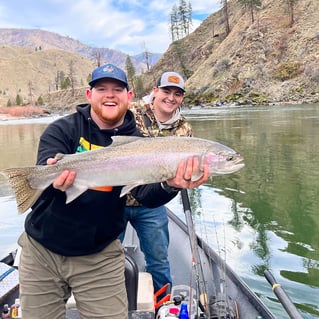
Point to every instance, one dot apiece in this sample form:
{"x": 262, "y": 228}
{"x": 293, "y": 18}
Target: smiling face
{"x": 109, "y": 101}
{"x": 166, "y": 101}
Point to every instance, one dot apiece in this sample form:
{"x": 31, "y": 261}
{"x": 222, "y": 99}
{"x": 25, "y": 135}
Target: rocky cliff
{"x": 267, "y": 60}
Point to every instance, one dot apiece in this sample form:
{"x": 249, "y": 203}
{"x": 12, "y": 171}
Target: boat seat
{"x": 131, "y": 281}
{"x": 139, "y": 287}
{"x": 145, "y": 293}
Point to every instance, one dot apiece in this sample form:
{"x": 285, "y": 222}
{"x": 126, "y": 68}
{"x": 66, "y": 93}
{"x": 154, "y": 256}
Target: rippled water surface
{"x": 266, "y": 216}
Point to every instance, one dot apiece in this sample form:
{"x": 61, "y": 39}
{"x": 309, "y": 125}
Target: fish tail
{"x": 25, "y": 194}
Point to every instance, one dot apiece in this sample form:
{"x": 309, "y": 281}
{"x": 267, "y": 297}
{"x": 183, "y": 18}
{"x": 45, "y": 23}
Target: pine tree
{"x": 19, "y": 100}
{"x": 72, "y": 76}
{"x": 185, "y": 17}
{"x": 40, "y": 100}
{"x": 180, "y": 20}
{"x": 226, "y": 16}
{"x": 291, "y": 5}
{"x": 139, "y": 89}
{"x": 251, "y": 5}
{"x": 130, "y": 71}
{"x": 174, "y": 25}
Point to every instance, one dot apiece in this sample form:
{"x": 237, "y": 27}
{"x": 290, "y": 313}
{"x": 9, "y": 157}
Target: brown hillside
{"x": 32, "y": 74}
{"x": 35, "y": 38}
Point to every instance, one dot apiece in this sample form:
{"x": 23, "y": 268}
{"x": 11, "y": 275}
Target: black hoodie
{"x": 94, "y": 219}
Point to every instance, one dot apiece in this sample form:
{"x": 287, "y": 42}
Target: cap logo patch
{"x": 108, "y": 69}
{"x": 173, "y": 79}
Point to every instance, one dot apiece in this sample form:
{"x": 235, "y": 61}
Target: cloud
{"x": 126, "y": 25}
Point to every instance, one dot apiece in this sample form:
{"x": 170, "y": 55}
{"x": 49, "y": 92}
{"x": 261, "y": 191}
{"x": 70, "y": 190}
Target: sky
{"x": 130, "y": 26}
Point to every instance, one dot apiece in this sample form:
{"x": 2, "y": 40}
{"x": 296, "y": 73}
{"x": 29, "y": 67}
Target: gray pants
{"x": 47, "y": 279}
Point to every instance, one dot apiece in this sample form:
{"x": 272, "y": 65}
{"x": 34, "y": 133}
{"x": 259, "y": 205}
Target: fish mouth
{"x": 239, "y": 161}
{"x": 229, "y": 168}
{"x": 232, "y": 163}
{"x": 236, "y": 162}
{"x": 236, "y": 167}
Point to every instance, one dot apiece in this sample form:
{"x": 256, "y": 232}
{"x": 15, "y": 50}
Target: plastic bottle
{"x": 15, "y": 309}
{"x": 5, "y": 312}
{"x": 183, "y": 314}
{"x": 188, "y": 295}
{"x": 19, "y": 313}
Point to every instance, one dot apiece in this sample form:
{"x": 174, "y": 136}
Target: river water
{"x": 266, "y": 216}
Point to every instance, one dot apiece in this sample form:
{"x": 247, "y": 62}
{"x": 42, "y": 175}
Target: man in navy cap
{"x": 74, "y": 247}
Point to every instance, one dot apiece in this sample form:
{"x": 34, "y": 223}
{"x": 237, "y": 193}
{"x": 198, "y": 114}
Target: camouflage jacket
{"x": 149, "y": 127}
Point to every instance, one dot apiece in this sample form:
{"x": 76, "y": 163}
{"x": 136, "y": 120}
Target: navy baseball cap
{"x": 108, "y": 71}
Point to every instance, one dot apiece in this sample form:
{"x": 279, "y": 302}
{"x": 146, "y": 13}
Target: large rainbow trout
{"x": 128, "y": 162}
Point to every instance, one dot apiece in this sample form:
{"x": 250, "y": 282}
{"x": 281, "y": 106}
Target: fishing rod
{"x": 195, "y": 253}
{"x": 220, "y": 307}
{"x": 282, "y": 296}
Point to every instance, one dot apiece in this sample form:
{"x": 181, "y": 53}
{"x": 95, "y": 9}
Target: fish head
{"x": 224, "y": 162}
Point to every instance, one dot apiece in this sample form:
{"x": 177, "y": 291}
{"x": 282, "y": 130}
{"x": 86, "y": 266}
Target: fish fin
{"x": 197, "y": 174}
{"x": 126, "y": 189}
{"x": 26, "y": 196}
{"x": 196, "y": 177}
{"x": 59, "y": 156}
{"x": 74, "y": 191}
{"x": 123, "y": 139}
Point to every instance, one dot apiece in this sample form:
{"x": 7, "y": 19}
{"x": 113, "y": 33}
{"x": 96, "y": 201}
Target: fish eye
{"x": 230, "y": 157}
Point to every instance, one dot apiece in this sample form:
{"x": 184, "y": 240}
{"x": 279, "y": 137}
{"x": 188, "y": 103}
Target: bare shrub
{"x": 289, "y": 70}
{"x": 22, "y": 111}
{"x": 221, "y": 66}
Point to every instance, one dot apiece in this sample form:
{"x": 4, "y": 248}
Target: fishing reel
{"x": 223, "y": 307}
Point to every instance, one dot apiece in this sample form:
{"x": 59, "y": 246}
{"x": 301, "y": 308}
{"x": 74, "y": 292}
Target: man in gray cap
{"x": 162, "y": 117}
{"x": 163, "y": 108}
